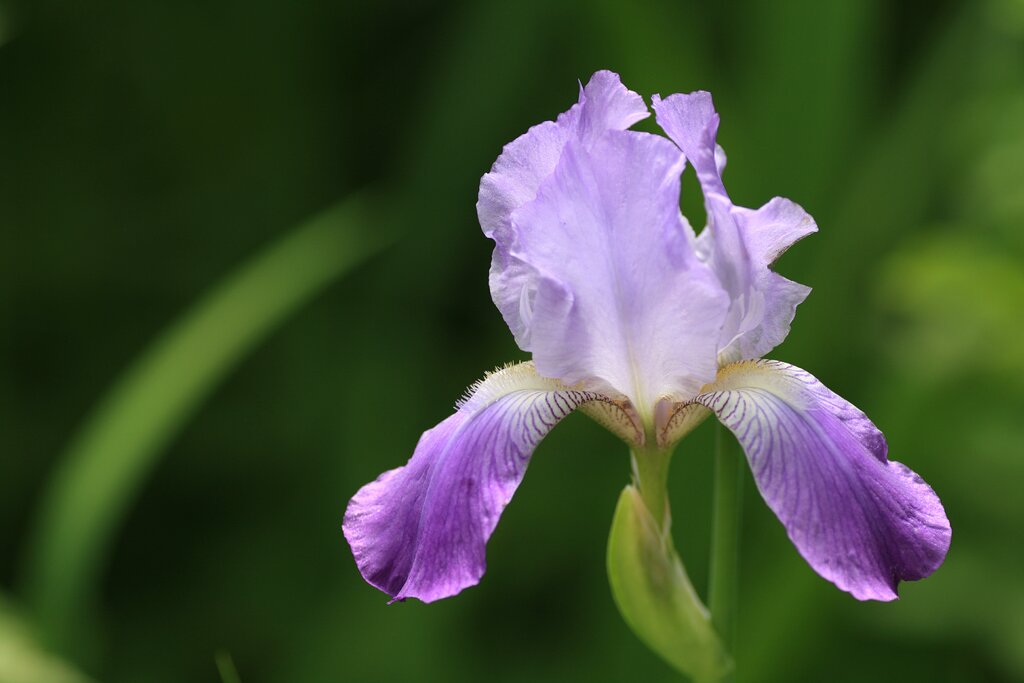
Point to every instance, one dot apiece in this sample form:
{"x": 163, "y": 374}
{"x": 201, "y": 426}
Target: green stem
{"x": 650, "y": 470}
{"x": 725, "y": 533}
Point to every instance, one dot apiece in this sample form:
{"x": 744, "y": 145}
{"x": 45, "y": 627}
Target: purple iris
{"x": 648, "y": 328}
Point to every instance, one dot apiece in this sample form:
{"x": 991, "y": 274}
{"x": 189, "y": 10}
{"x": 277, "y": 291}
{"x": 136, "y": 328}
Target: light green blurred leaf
{"x": 961, "y": 303}
{"x": 22, "y": 660}
{"x": 226, "y": 667}
{"x": 108, "y": 460}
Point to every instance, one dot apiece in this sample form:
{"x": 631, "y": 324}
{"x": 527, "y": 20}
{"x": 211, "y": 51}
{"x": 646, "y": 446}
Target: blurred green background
{"x": 152, "y": 152}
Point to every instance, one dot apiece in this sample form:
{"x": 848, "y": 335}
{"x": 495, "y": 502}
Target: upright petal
{"x": 604, "y": 104}
{"x": 861, "y": 521}
{"x": 692, "y": 123}
{"x": 740, "y": 244}
{"x": 620, "y": 300}
{"x": 420, "y": 531}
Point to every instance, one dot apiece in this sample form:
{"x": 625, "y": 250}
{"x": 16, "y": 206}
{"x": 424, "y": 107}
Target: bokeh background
{"x": 152, "y": 152}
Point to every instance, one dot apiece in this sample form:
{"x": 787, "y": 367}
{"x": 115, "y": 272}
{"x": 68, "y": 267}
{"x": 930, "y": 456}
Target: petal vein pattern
{"x": 861, "y": 521}
{"x": 421, "y": 530}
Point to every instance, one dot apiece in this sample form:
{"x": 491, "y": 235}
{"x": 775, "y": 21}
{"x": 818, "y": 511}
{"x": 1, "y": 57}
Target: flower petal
{"x": 861, "y": 521}
{"x": 620, "y": 300}
{"x": 605, "y": 104}
{"x": 420, "y": 531}
{"x": 740, "y": 244}
{"x": 692, "y": 123}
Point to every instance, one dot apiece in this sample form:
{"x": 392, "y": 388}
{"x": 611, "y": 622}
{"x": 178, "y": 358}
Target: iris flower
{"x": 649, "y": 328}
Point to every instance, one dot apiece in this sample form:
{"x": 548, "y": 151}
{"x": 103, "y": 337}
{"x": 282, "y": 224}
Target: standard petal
{"x": 861, "y": 521}
{"x": 692, "y": 123}
{"x": 608, "y": 105}
{"x": 740, "y": 244}
{"x": 604, "y": 104}
{"x": 420, "y": 531}
{"x": 620, "y": 302}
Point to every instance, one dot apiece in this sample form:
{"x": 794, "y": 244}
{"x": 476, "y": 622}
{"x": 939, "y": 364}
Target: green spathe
{"x": 655, "y": 596}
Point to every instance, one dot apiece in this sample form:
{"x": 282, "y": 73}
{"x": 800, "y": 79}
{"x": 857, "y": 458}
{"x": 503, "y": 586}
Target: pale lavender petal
{"x": 861, "y": 521}
{"x": 604, "y": 104}
{"x": 740, "y": 244}
{"x": 767, "y": 233}
{"x": 420, "y": 531}
{"x": 692, "y": 123}
{"x": 512, "y": 182}
{"x": 621, "y": 301}
{"x": 774, "y": 228}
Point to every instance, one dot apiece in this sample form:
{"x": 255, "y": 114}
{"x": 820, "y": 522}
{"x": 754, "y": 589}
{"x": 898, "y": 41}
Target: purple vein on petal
{"x": 420, "y": 531}
{"x": 860, "y": 520}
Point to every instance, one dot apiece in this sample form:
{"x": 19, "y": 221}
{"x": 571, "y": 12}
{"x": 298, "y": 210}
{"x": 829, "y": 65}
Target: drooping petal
{"x": 420, "y": 531}
{"x": 604, "y": 104}
{"x": 620, "y": 300}
{"x": 861, "y": 521}
{"x": 740, "y": 244}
